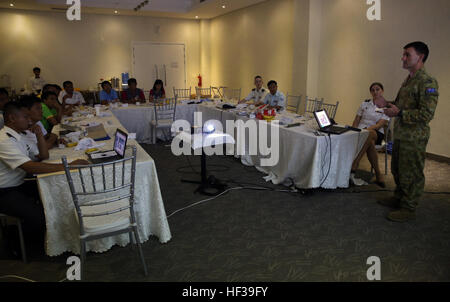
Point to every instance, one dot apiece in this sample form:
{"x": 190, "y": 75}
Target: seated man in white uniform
{"x": 257, "y": 94}
{"x": 69, "y": 96}
{"x": 275, "y": 99}
{"x": 19, "y": 157}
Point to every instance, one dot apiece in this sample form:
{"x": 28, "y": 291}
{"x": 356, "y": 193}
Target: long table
{"x": 62, "y": 226}
{"x": 304, "y": 157}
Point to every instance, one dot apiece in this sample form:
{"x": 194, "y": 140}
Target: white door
{"x": 162, "y": 61}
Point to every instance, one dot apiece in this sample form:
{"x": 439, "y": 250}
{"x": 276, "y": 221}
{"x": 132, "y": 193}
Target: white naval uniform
{"x": 369, "y": 115}
{"x": 15, "y": 150}
{"x": 257, "y": 95}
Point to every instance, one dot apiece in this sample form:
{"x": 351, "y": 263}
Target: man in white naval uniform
{"x": 257, "y": 94}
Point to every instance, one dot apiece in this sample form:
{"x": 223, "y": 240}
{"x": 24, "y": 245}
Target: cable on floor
{"x": 23, "y": 278}
{"x": 225, "y": 192}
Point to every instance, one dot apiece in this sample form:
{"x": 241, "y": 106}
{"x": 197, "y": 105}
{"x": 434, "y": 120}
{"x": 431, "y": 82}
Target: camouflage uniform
{"x": 417, "y": 100}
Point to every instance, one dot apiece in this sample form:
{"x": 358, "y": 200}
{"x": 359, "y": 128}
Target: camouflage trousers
{"x": 408, "y": 163}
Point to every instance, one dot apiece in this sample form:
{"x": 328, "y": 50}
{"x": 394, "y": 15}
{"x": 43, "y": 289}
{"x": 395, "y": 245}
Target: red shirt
{"x": 158, "y": 95}
{"x": 127, "y": 95}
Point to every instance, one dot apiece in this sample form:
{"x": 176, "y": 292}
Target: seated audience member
{"x": 4, "y": 98}
{"x": 108, "y": 95}
{"x": 34, "y": 107}
{"x": 158, "y": 91}
{"x": 368, "y": 118}
{"x": 49, "y": 87}
{"x": 36, "y": 82}
{"x": 69, "y": 96}
{"x": 257, "y": 94}
{"x": 18, "y": 157}
{"x": 275, "y": 99}
{"x": 57, "y": 88}
{"x": 52, "y": 111}
{"x": 133, "y": 94}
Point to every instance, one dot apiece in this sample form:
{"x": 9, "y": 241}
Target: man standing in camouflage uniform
{"x": 413, "y": 108}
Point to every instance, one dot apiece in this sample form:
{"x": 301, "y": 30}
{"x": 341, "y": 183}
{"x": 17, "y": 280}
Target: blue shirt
{"x": 111, "y": 96}
{"x": 276, "y": 99}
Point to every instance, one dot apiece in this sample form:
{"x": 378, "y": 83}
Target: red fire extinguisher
{"x": 199, "y": 81}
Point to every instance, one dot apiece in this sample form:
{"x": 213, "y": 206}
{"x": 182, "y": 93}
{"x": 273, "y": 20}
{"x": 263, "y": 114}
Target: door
{"x": 164, "y": 61}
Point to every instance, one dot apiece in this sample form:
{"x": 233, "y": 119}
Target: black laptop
{"x": 325, "y": 124}
{"x": 120, "y": 144}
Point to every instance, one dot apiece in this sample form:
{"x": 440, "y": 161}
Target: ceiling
{"x": 189, "y": 9}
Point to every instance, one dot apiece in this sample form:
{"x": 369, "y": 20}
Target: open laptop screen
{"x": 322, "y": 118}
{"x": 120, "y": 142}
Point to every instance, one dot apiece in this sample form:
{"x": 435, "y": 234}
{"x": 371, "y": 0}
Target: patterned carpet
{"x": 254, "y": 235}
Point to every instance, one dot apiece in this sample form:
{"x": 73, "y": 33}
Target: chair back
{"x": 203, "y": 92}
{"x": 331, "y": 109}
{"x": 218, "y": 91}
{"x": 293, "y": 102}
{"x": 102, "y": 190}
{"x": 312, "y": 105}
{"x": 181, "y": 93}
{"x": 90, "y": 97}
{"x": 165, "y": 109}
{"x": 232, "y": 94}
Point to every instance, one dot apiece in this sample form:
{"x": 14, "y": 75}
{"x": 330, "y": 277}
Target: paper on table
{"x": 97, "y": 132}
{"x": 87, "y": 143}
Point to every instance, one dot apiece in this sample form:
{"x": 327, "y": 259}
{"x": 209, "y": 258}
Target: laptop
{"x": 325, "y": 124}
{"x": 120, "y": 144}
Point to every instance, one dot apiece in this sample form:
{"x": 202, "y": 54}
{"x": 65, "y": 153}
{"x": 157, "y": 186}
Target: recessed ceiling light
{"x": 196, "y": 17}
{"x": 11, "y": 4}
{"x": 223, "y": 6}
{"x": 115, "y": 12}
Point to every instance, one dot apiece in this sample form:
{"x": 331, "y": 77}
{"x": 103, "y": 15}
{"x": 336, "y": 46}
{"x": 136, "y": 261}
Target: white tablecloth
{"x": 62, "y": 226}
{"x": 304, "y": 157}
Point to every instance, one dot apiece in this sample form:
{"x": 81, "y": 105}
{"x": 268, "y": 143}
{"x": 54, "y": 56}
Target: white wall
{"x": 98, "y": 46}
{"x": 257, "y": 40}
{"x": 325, "y": 48}
{"x": 355, "y": 52}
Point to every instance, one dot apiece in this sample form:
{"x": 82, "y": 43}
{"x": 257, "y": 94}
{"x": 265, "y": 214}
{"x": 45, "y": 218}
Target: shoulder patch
{"x": 367, "y": 101}
{"x": 10, "y": 136}
{"x": 431, "y": 91}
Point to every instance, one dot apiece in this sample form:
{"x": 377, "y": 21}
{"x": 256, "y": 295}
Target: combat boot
{"x": 391, "y": 202}
{"x": 402, "y": 215}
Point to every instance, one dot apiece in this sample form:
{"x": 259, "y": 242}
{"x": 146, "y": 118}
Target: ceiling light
{"x": 223, "y": 6}
{"x": 196, "y": 17}
{"x": 115, "y": 12}
{"x": 11, "y": 4}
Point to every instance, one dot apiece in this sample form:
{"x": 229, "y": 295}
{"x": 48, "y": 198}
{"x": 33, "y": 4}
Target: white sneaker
{"x": 357, "y": 181}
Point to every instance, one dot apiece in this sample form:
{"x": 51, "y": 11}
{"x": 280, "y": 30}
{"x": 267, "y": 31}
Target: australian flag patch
{"x": 431, "y": 90}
